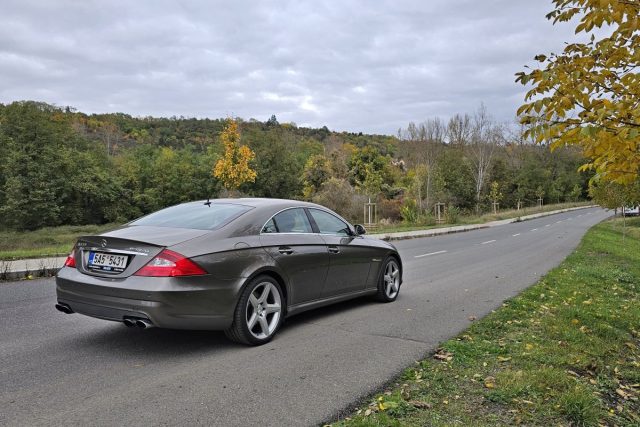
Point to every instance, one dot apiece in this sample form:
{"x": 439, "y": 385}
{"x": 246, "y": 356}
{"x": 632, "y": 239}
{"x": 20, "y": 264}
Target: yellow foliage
{"x": 234, "y": 168}
{"x": 589, "y": 95}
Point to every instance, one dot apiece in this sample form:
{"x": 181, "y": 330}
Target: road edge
{"x": 45, "y": 267}
{"x": 403, "y": 235}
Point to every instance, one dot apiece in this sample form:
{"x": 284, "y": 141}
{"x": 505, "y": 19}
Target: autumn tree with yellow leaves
{"x": 589, "y": 95}
{"x": 234, "y": 168}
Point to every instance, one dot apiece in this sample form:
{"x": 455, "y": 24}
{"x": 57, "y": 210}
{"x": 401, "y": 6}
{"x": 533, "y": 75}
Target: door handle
{"x": 334, "y": 249}
{"x": 285, "y": 250}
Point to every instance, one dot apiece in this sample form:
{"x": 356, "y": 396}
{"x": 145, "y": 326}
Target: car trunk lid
{"x": 120, "y": 253}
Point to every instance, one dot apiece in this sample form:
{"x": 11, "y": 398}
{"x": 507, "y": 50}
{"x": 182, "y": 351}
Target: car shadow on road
{"x": 160, "y": 343}
{"x": 324, "y": 313}
{"x": 110, "y": 337}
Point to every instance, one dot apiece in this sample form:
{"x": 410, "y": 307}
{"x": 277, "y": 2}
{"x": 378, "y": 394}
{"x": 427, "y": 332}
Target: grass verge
{"x": 475, "y": 219}
{"x": 564, "y": 352}
{"x": 57, "y": 241}
{"x": 50, "y": 241}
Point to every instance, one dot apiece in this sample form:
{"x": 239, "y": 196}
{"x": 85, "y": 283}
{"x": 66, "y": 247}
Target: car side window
{"x": 292, "y": 221}
{"x": 270, "y": 227}
{"x": 329, "y": 224}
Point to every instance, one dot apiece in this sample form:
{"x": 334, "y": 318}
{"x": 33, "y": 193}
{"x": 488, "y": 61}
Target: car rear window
{"x": 196, "y": 215}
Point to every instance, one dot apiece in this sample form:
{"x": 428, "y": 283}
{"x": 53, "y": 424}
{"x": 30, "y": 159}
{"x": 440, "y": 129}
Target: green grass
{"x": 564, "y": 352}
{"x": 475, "y": 219}
{"x": 49, "y": 241}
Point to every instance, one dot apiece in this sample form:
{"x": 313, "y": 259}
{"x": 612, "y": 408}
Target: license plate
{"x": 107, "y": 262}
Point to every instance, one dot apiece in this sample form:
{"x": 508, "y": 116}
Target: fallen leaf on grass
{"x": 528, "y": 346}
{"x": 503, "y": 359}
{"x": 490, "y": 382}
{"x": 620, "y": 392}
{"x": 442, "y": 354}
{"x": 419, "y": 404}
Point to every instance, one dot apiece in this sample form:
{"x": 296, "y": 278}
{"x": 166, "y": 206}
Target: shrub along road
{"x": 68, "y": 368}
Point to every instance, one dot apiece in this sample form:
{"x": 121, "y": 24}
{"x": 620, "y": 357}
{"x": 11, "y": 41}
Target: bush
{"x": 452, "y": 215}
{"x": 409, "y": 211}
{"x": 390, "y": 209}
{"x": 338, "y": 195}
{"x": 427, "y": 219}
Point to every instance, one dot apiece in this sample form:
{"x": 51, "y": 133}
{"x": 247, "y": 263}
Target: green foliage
{"x": 369, "y": 170}
{"x": 49, "y": 174}
{"x": 458, "y": 180}
{"x": 58, "y": 166}
{"x": 316, "y": 172}
{"x": 587, "y": 95}
{"x": 409, "y": 211}
{"x": 277, "y": 165}
{"x": 452, "y": 215}
{"x": 495, "y": 195}
{"x": 612, "y": 195}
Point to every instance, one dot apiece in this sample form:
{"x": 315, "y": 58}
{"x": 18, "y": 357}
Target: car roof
{"x": 259, "y": 202}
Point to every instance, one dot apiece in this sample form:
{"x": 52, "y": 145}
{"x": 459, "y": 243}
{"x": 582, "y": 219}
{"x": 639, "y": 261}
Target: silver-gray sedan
{"x": 237, "y": 265}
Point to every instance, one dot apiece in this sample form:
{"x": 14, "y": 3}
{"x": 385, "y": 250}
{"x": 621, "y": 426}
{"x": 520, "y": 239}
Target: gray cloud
{"x": 352, "y": 65}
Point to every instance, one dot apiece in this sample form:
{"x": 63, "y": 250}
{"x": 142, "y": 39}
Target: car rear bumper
{"x": 197, "y": 302}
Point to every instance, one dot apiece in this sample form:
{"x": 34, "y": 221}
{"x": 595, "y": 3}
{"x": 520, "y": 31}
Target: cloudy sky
{"x": 370, "y": 66}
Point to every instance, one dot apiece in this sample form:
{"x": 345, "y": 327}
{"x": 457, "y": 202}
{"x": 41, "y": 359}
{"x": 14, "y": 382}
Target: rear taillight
{"x": 170, "y": 264}
{"x": 71, "y": 259}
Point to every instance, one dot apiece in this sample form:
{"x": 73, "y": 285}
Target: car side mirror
{"x": 359, "y": 229}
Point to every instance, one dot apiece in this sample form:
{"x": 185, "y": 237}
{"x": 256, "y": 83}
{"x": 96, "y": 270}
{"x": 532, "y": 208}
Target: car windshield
{"x": 196, "y": 215}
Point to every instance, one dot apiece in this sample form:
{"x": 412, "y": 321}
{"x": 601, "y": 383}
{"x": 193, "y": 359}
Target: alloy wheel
{"x": 391, "y": 279}
{"x": 263, "y": 311}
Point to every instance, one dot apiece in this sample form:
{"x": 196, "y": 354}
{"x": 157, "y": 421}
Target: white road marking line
{"x": 548, "y": 225}
{"x": 516, "y": 235}
{"x": 488, "y": 241}
{"x": 558, "y": 222}
{"x": 534, "y": 229}
{"x": 429, "y": 254}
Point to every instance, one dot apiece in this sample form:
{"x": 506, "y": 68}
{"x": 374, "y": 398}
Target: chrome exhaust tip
{"x": 64, "y": 308}
{"x": 144, "y": 324}
{"x": 129, "y": 323}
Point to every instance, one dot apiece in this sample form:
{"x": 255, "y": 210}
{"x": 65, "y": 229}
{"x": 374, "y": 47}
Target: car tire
{"x": 389, "y": 281}
{"x": 259, "y": 312}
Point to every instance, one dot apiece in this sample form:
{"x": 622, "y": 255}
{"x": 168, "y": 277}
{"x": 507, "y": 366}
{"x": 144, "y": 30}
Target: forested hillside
{"x": 59, "y": 166}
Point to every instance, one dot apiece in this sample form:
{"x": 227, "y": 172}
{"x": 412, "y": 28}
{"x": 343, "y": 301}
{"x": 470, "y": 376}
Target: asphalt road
{"x": 69, "y": 369}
